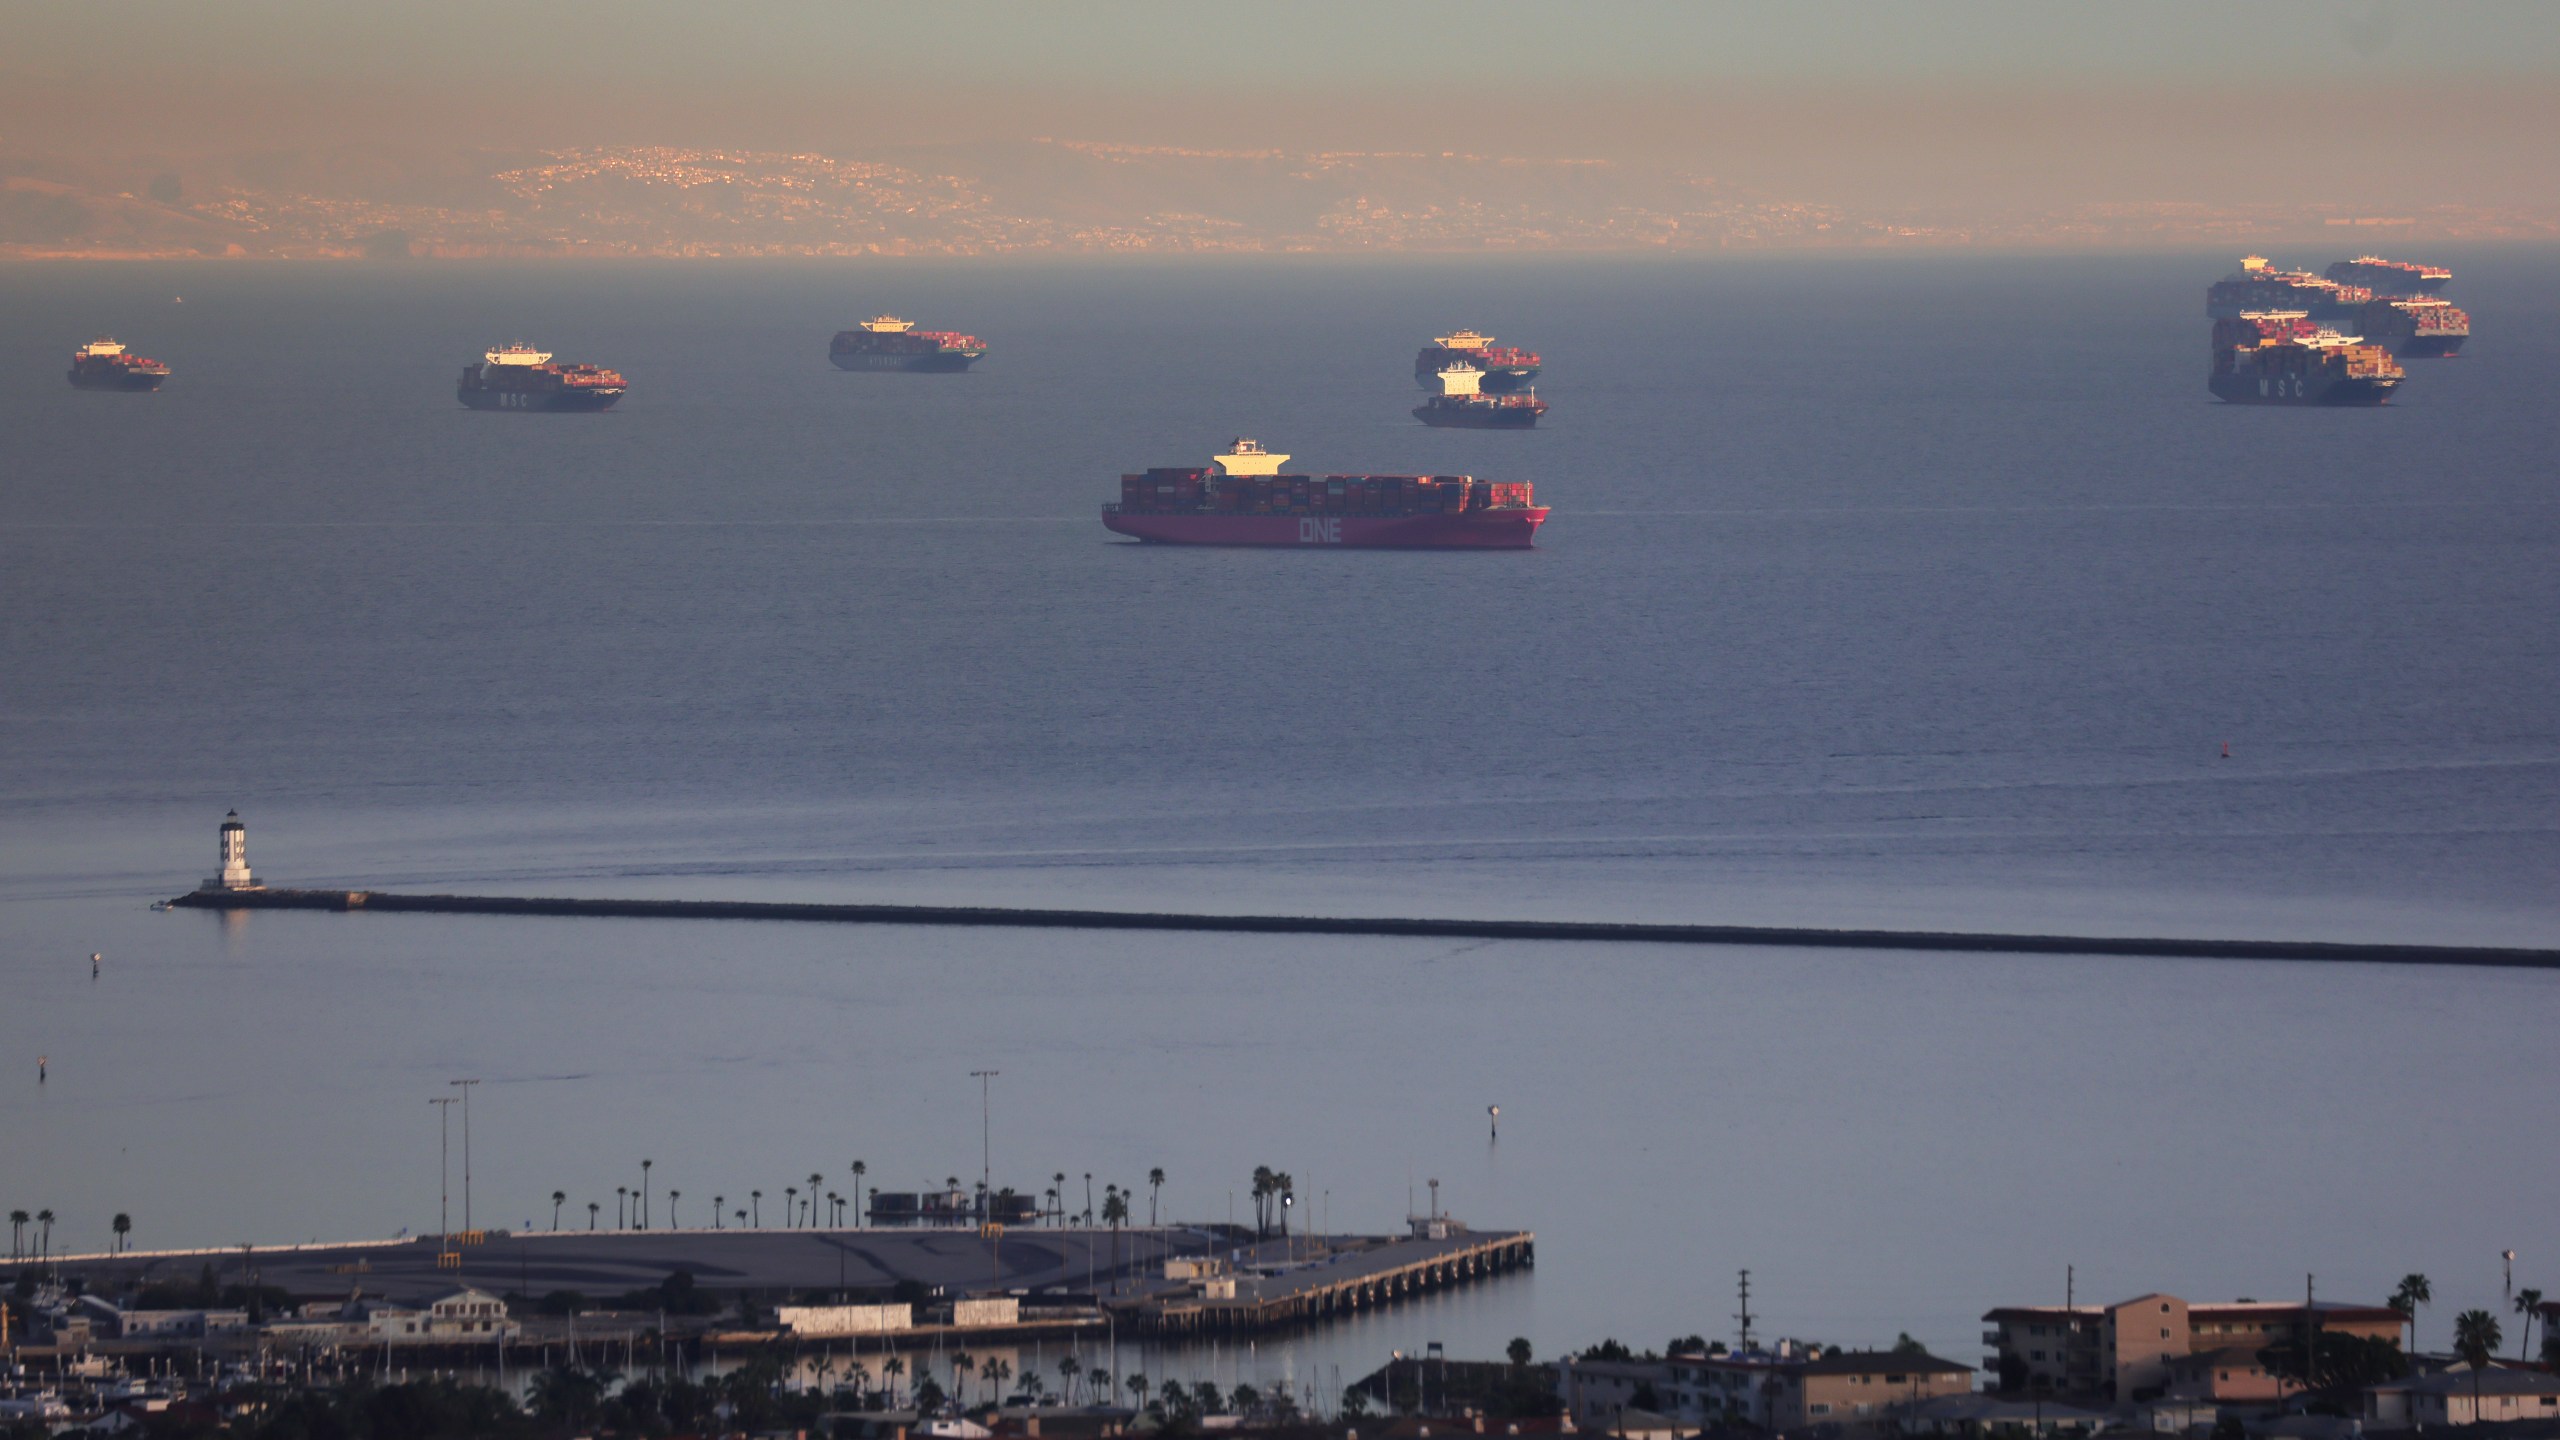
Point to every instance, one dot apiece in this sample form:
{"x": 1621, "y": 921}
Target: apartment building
{"x": 2135, "y": 1349}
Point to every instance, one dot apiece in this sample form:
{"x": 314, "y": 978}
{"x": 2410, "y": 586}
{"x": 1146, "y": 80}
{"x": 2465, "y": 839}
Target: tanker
{"x": 1241, "y": 498}
{"x": 1461, "y": 404}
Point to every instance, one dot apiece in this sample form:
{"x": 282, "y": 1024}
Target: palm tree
{"x": 1059, "y": 1180}
{"x": 1115, "y": 1208}
{"x": 1155, "y": 1187}
{"x": 124, "y": 1227}
{"x": 1137, "y": 1383}
{"x": 44, "y": 1219}
{"x": 790, "y": 1206}
{"x": 997, "y": 1372}
{"x": 1097, "y": 1382}
{"x": 2414, "y": 1291}
{"x": 717, "y": 1201}
{"x": 2528, "y": 1305}
{"x": 621, "y": 1216}
{"x": 17, "y": 1224}
{"x": 644, "y": 1193}
{"x": 558, "y": 1199}
{"x": 2475, "y": 1339}
{"x": 592, "y": 1208}
{"x": 1088, "y": 1197}
{"x": 756, "y": 1199}
{"x": 1069, "y": 1368}
{"x": 672, "y": 1197}
{"x": 1284, "y": 1192}
{"x": 859, "y": 1170}
{"x": 890, "y": 1370}
{"x": 962, "y": 1365}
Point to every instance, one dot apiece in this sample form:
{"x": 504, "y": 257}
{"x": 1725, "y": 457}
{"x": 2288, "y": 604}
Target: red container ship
{"x": 2279, "y": 357}
{"x": 2417, "y": 327}
{"x": 2391, "y": 277}
{"x": 1506, "y": 367}
{"x": 2257, "y": 286}
{"x": 1241, "y": 498}
{"x": 885, "y": 342}
{"x": 1462, "y": 404}
{"x": 519, "y": 377}
{"x": 102, "y": 364}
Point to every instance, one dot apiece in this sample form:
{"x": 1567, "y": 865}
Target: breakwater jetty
{"x": 1800, "y": 937}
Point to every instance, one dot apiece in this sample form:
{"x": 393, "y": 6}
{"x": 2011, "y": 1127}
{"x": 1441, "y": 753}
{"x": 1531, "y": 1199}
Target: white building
{"x": 465, "y": 1317}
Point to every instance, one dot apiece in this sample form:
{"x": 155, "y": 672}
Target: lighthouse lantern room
{"x": 235, "y": 858}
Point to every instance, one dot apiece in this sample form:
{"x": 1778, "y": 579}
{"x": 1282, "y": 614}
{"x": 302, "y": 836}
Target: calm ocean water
{"x": 1895, "y": 591}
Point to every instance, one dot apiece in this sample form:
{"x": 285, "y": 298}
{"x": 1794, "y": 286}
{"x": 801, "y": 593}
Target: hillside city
{"x": 1054, "y": 196}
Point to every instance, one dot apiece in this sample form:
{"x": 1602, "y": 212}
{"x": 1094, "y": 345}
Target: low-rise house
{"x": 464, "y": 1317}
{"x": 2460, "y": 1396}
{"x": 1595, "y": 1391}
{"x": 110, "y": 1321}
{"x": 1979, "y": 1415}
{"x": 1784, "y": 1388}
{"x": 2234, "y": 1375}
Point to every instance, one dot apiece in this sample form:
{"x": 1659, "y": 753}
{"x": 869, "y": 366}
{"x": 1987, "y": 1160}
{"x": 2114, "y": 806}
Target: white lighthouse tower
{"x": 235, "y": 858}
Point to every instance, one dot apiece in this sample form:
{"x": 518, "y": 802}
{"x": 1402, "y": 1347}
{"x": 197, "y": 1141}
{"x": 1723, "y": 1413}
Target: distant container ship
{"x": 102, "y": 364}
{"x": 2280, "y": 357}
{"x": 1506, "y": 367}
{"x": 1241, "y": 498}
{"x": 2258, "y": 286}
{"x": 885, "y": 342}
{"x": 2416, "y": 327}
{"x": 2391, "y": 277}
{"x": 519, "y": 377}
{"x": 1462, "y": 404}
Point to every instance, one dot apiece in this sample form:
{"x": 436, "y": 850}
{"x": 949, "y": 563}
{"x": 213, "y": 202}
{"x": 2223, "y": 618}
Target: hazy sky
{"x": 2451, "y": 98}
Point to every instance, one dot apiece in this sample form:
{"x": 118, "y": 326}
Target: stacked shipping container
{"x": 1168, "y": 490}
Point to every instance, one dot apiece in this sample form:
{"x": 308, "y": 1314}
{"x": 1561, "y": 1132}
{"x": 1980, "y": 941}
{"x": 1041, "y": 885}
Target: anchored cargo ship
{"x": 2257, "y": 286}
{"x": 1241, "y": 498}
{"x": 102, "y": 364}
{"x": 2416, "y": 327}
{"x": 519, "y": 377}
{"x": 1462, "y": 403}
{"x": 2391, "y": 277}
{"x": 1506, "y": 367}
{"x": 2279, "y": 357}
{"x": 885, "y": 342}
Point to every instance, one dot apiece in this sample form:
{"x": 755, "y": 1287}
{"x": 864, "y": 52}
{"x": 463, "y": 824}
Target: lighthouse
{"x": 235, "y": 858}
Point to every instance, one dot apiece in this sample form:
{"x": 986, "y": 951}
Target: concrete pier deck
{"x": 1552, "y": 930}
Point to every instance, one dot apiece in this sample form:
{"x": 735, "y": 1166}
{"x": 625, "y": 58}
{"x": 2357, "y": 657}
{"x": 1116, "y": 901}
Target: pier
{"x": 1337, "y": 1284}
{"x": 1578, "y": 931}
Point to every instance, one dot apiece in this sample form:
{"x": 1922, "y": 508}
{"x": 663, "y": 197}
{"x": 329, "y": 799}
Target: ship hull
{"x": 557, "y": 402}
{"x": 1511, "y": 529}
{"x": 943, "y": 364}
{"x": 2301, "y": 390}
{"x": 1478, "y": 417}
{"x": 2430, "y": 347}
{"x": 121, "y": 380}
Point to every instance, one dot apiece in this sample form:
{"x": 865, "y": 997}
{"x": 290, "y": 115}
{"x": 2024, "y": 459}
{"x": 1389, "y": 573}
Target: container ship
{"x": 1241, "y": 498}
{"x": 2280, "y": 357}
{"x": 2416, "y": 327}
{"x": 885, "y": 342}
{"x": 519, "y": 377}
{"x": 2391, "y": 277}
{"x": 2257, "y": 286}
{"x": 1462, "y": 404}
{"x": 102, "y": 364}
{"x": 1506, "y": 367}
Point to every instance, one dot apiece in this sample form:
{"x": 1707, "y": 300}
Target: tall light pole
{"x": 986, "y": 1145}
{"x": 465, "y": 1087}
{"x": 444, "y": 1167}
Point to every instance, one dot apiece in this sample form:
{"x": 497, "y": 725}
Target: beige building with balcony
{"x": 2134, "y": 1349}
